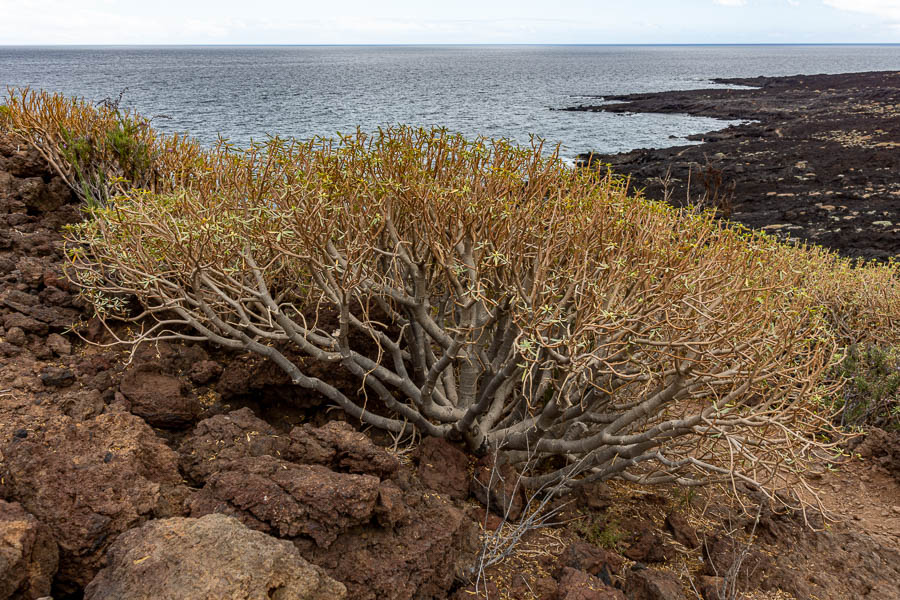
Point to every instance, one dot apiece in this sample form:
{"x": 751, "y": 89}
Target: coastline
{"x": 817, "y": 162}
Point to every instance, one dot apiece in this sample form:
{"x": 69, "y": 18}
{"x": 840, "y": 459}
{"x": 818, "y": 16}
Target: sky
{"x": 448, "y": 22}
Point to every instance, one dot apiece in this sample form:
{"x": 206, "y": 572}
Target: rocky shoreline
{"x": 818, "y": 160}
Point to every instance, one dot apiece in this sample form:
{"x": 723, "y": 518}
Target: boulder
{"x": 444, "y": 468}
{"x": 288, "y": 499}
{"x": 219, "y": 440}
{"x": 88, "y": 482}
{"x": 434, "y": 547}
{"x": 28, "y": 555}
{"x": 162, "y": 400}
{"x": 201, "y": 559}
{"x": 340, "y": 447}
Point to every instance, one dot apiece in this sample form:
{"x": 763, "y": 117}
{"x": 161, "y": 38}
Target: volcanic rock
{"x": 88, "y": 482}
{"x": 28, "y": 555}
{"x": 214, "y": 557}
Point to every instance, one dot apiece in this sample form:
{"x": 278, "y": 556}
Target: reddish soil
{"x": 95, "y": 443}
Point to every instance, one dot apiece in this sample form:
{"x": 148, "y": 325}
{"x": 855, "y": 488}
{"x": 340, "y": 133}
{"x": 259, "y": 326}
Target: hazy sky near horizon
{"x": 456, "y": 21}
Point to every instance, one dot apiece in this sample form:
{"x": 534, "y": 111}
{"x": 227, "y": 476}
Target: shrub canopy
{"x": 490, "y": 293}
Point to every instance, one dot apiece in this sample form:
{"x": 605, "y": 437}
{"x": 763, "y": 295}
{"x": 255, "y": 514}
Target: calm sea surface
{"x": 497, "y": 91}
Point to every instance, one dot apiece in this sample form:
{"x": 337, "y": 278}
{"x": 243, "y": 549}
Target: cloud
{"x": 886, "y": 9}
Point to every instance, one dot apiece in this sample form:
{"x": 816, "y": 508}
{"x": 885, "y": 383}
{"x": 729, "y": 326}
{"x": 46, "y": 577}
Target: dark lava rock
{"x": 220, "y": 439}
{"x": 60, "y": 474}
{"x": 444, "y": 468}
{"x": 25, "y": 323}
{"x": 816, "y": 161}
{"x": 16, "y": 336}
{"x": 289, "y": 500}
{"x": 81, "y": 404}
{"x": 214, "y": 557}
{"x": 57, "y": 376}
{"x": 28, "y": 555}
{"x": 712, "y": 588}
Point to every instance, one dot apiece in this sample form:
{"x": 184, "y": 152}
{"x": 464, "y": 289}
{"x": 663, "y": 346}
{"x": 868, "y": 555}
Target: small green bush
{"x": 871, "y": 396}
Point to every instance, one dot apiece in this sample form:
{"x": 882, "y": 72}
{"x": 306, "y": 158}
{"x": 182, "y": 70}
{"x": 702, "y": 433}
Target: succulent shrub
{"x": 483, "y": 292}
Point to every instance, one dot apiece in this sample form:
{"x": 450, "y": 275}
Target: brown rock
{"x": 342, "y": 448}
{"x": 488, "y": 520}
{"x": 711, "y": 588}
{"x": 444, "y": 468}
{"x": 578, "y": 585}
{"x": 883, "y": 448}
{"x": 214, "y": 557}
{"x": 162, "y": 400}
{"x": 16, "y": 336}
{"x": 595, "y": 496}
{"x": 25, "y": 323}
{"x": 481, "y": 591}
{"x": 647, "y": 547}
{"x": 28, "y": 555}
{"x": 52, "y": 376}
{"x": 31, "y": 270}
{"x": 391, "y": 509}
{"x": 41, "y": 197}
{"x": 204, "y": 371}
{"x": 595, "y": 561}
{"x": 650, "y": 584}
{"x": 217, "y": 441}
{"x": 24, "y": 161}
{"x": 682, "y": 530}
{"x": 60, "y": 345}
{"x": 88, "y": 482}
{"x": 289, "y": 500}
{"x": 422, "y": 558}
{"x": 497, "y": 487}
{"x": 81, "y": 404}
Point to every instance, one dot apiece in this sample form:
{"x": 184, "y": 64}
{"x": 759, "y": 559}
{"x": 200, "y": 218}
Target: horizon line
{"x": 439, "y": 44}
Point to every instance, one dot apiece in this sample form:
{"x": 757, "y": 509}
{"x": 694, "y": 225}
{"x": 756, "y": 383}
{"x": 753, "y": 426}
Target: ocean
{"x": 249, "y": 92}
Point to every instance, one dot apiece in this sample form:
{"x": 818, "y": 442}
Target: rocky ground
{"x": 182, "y": 471}
{"x": 817, "y": 162}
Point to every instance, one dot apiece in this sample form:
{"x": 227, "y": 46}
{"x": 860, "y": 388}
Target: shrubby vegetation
{"x": 871, "y": 396}
{"x": 99, "y": 150}
{"x": 478, "y": 291}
